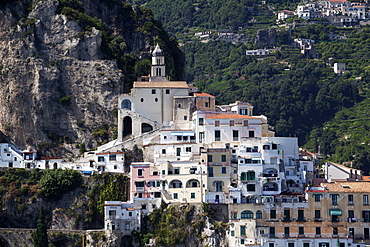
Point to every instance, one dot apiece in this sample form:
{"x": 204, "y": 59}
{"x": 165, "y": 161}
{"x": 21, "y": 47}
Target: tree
{"x": 40, "y": 237}
{"x": 55, "y": 183}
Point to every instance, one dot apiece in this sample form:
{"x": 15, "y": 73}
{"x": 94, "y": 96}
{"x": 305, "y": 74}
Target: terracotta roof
{"x": 110, "y": 153}
{"x": 347, "y": 187}
{"x": 203, "y": 95}
{"x": 230, "y": 116}
{"x": 160, "y": 84}
{"x": 50, "y": 158}
{"x": 366, "y": 178}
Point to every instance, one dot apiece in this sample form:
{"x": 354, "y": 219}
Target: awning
{"x": 178, "y": 133}
{"x": 336, "y": 212}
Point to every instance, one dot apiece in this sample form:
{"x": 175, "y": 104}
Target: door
{"x": 178, "y": 151}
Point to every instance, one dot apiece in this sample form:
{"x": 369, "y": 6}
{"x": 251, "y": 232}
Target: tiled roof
{"x": 203, "y": 95}
{"x": 160, "y": 84}
{"x": 230, "y": 116}
{"x": 347, "y": 187}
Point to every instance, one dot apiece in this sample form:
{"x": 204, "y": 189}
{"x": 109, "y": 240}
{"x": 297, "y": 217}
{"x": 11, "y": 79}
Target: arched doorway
{"x": 146, "y": 128}
{"x": 126, "y": 241}
{"x": 55, "y": 165}
{"x": 127, "y": 126}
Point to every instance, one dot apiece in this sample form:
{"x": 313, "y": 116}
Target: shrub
{"x": 55, "y": 183}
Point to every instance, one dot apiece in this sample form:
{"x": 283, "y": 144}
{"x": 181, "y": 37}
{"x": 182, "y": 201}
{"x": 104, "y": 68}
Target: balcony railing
{"x": 301, "y": 219}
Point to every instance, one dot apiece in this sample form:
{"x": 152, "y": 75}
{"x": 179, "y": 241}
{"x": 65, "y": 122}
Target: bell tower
{"x": 158, "y": 69}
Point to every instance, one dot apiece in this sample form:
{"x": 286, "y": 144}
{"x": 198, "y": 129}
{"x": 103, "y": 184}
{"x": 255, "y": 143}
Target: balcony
{"x": 301, "y": 219}
{"x": 317, "y": 235}
{"x": 286, "y": 219}
{"x": 140, "y": 189}
{"x": 318, "y": 219}
{"x": 301, "y": 236}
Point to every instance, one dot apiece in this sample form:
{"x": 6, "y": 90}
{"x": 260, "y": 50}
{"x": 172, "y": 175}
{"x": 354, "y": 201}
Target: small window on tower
{"x": 153, "y": 91}
{"x": 156, "y": 99}
{"x": 142, "y": 99}
{"x": 167, "y": 91}
{"x": 207, "y": 104}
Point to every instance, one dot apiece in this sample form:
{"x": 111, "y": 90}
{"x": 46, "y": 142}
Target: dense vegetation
{"x": 55, "y": 183}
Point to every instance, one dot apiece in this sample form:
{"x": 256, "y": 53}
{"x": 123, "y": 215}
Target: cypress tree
{"x": 40, "y": 237}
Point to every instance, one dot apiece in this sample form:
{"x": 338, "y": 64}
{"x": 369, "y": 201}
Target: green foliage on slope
{"x": 296, "y": 94}
{"x": 346, "y": 137}
{"x": 40, "y": 237}
{"x": 55, "y": 183}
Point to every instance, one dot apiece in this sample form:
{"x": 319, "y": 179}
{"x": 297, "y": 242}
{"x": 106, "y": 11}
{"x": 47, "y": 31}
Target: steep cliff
{"x": 63, "y": 63}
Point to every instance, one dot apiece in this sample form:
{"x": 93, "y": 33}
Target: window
{"x": 140, "y": 172}
{"x": 163, "y": 172}
{"x": 259, "y": 214}
{"x": 223, "y": 170}
{"x": 272, "y": 232}
{"x": 301, "y": 230}
{"x": 317, "y": 215}
{"x": 112, "y": 157}
{"x": 245, "y": 123}
{"x": 366, "y": 216}
{"x": 232, "y": 233}
{"x": 207, "y": 104}
{"x": 201, "y": 121}
{"x": 290, "y": 244}
{"x": 241, "y": 241}
{"x": 167, "y": 91}
{"x": 139, "y": 184}
{"x": 306, "y": 244}
{"x": 272, "y": 214}
{"x": 317, "y": 197}
{"x": 247, "y": 214}
{"x": 192, "y": 195}
{"x": 100, "y": 159}
{"x": 335, "y": 230}
{"x": 185, "y": 117}
{"x": 300, "y": 215}
{"x": 351, "y": 214}
{"x": 232, "y": 122}
{"x": 163, "y": 151}
{"x": 334, "y": 199}
{"x": 188, "y": 149}
{"x": 243, "y": 111}
{"x": 210, "y": 172}
{"x": 156, "y": 99}
{"x": 366, "y": 199}
{"x": 201, "y": 137}
{"x": 217, "y": 135}
{"x": 271, "y": 244}
{"x": 115, "y": 167}
{"x": 318, "y": 230}
{"x": 177, "y": 171}
{"x": 251, "y": 133}
{"x": 129, "y": 213}
{"x": 217, "y": 123}
{"x": 210, "y": 158}
{"x": 151, "y": 183}
{"x": 158, "y": 183}
{"x": 251, "y": 175}
{"x": 286, "y": 214}
{"x": 142, "y": 100}
{"x": 175, "y": 196}
{"x": 223, "y": 158}
{"x": 127, "y": 225}
{"x": 235, "y": 135}
{"x": 350, "y": 199}
{"x": 242, "y": 230}
{"x": 251, "y": 187}
{"x": 286, "y": 232}
{"x": 179, "y": 106}
{"x": 153, "y": 91}
{"x": 15, "y": 158}
{"x": 243, "y": 176}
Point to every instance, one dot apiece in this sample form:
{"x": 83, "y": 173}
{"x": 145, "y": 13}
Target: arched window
{"x": 247, "y": 214}
{"x": 126, "y": 104}
{"x": 259, "y": 214}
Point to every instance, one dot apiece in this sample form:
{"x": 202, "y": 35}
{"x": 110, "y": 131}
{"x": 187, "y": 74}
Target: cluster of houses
{"x": 340, "y": 12}
{"x": 271, "y": 192}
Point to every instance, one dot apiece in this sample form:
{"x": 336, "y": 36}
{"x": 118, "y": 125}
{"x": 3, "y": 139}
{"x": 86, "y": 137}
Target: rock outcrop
{"x": 56, "y": 81}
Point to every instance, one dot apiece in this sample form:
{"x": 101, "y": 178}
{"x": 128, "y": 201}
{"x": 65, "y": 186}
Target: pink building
{"x": 145, "y": 180}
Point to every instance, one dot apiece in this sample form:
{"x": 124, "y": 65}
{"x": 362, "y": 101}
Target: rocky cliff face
{"x": 58, "y": 78}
